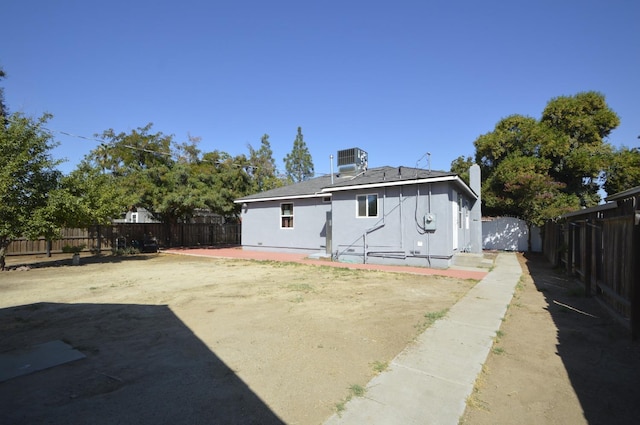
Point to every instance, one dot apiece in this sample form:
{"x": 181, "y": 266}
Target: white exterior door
{"x": 454, "y": 221}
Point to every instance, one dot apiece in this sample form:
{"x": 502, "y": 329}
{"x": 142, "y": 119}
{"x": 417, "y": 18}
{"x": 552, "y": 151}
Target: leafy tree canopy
{"x": 580, "y": 125}
{"x": 539, "y": 169}
{"x": 623, "y": 170}
{"x": 27, "y": 176}
{"x": 88, "y": 197}
{"x": 172, "y": 181}
{"x": 125, "y": 154}
{"x": 461, "y": 166}
{"x": 263, "y": 171}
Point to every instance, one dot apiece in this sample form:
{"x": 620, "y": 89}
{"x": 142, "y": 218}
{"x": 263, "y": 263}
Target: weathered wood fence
{"x": 601, "y": 246}
{"x": 107, "y": 238}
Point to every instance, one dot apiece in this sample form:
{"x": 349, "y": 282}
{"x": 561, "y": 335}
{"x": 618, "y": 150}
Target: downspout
{"x": 429, "y": 212}
{"x": 429, "y": 233}
{"x": 401, "y": 222}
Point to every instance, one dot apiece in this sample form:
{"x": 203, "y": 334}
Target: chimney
{"x": 475, "y": 184}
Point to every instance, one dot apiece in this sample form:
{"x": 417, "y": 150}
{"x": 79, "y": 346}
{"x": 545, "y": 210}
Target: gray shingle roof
{"x": 388, "y": 174}
{"x": 305, "y": 188}
{"x": 374, "y": 176}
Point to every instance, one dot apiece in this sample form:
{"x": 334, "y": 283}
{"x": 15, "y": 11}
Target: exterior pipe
{"x": 364, "y": 248}
{"x": 398, "y": 255}
{"x": 429, "y": 233}
{"x": 374, "y": 228}
{"x": 331, "y": 159}
{"x": 437, "y": 257}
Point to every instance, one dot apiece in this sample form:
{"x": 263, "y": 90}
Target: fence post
{"x": 569, "y": 244}
{"x": 99, "y": 242}
{"x": 635, "y": 269}
{"x": 588, "y": 247}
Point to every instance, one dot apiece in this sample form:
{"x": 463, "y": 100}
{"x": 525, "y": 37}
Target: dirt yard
{"x": 559, "y": 358}
{"x": 174, "y": 339}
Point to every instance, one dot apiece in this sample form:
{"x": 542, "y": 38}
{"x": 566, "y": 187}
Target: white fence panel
{"x": 509, "y": 234}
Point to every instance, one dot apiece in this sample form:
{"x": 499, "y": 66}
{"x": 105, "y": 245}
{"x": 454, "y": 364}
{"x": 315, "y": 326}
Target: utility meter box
{"x": 430, "y": 221}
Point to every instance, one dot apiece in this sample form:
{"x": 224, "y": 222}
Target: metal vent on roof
{"x": 352, "y": 161}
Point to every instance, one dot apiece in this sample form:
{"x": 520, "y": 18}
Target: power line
{"x": 102, "y": 142}
{"x": 75, "y": 135}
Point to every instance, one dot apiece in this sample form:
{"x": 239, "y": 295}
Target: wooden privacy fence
{"x": 601, "y": 246}
{"x": 107, "y": 238}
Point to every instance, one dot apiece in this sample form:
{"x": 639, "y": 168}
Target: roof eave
{"x": 602, "y": 207}
{"x": 281, "y": 198}
{"x": 624, "y": 194}
{"x": 454, "y": 178}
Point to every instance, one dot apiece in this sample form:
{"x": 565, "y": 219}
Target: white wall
{"x": 509, "y": 234}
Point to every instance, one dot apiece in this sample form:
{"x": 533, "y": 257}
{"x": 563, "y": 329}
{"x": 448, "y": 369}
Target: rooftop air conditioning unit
{"x": 352, "y": 161}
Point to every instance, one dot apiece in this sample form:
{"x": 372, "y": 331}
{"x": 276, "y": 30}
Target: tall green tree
{"x": 89, "y": 197}
{"x": 623, "y": 170}
{"x": 27, "y": 175}
{"x": 188, "y": 152}
{"x": 580, "y": 125}
{"x": 138, "y": 162}
{"x": 539, "y": 169}
{"x": 125, "y": 154}
{"x": 461, "y": 166}
{"x": 3, "y": 109}
{"x": 170, "y": 180}
{"x": 227, "y": 180}
{"x": 499, "y": 154}
{"x": 262, "y": 167}
{"x": 298, "y": 163}
{"x": 172, "y": 193}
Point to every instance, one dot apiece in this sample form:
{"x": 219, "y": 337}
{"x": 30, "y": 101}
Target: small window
{"x": 286, "y": 216}
{"x": 367, "y": 205}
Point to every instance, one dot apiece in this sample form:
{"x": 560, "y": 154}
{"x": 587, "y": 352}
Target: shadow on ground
{"x": 142, "y": 366}
{"x": 62, "y": 260}
{"x": 598, "y": 354}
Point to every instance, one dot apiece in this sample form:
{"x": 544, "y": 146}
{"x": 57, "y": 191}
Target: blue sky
{"x": 397, "y": 79}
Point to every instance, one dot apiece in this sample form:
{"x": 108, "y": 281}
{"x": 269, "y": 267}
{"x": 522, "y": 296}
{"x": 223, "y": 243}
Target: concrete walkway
{"x": 429, "y": 382}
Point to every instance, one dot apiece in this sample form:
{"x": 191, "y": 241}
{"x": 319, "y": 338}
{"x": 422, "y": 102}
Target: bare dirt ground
{"x": 174, "y": 339}
{"x": 552, "y": 364}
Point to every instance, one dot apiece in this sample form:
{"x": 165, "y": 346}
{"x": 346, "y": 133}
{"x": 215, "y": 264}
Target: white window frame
{"x": 287, "y": 216}
{"x": 366, "y": 200}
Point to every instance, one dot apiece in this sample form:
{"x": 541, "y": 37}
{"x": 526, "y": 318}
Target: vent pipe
{"x": 331, "y": 159}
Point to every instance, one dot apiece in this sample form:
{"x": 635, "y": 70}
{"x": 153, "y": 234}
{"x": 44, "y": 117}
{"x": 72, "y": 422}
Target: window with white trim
{"x": 367, "y": 205}
{"x": 286, "y": 216}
